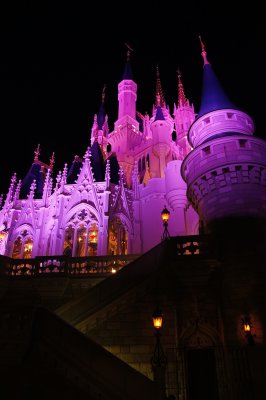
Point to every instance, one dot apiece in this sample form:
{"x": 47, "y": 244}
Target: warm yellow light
{"x": 157, "y": 318}
{"x": 246, "y": 324}
{"x": 165, "y": 214}
{"x": 113, "y": 270}
{"x": 2, "y": 235}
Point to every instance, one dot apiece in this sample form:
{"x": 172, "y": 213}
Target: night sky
{"x": 55, "y": 60}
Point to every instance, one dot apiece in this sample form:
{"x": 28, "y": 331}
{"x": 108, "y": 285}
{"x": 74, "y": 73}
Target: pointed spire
{"x": 37, "y": 153}
{"x": 159, "y": 114}
{"x": 102, "y": 112}
{"x": 127, "y": 75}
{"x": 18, "y": 188}
{"x": 203, "y": 52}
{"x": 87, "y": 154}
{"x": 135, "y": 181}
{"x": 213, "y": 96}
{"x": 46, "y": 187}
{"x": 11, "y": 189}
{"x": 32, "y": 189}
{"x": 52, "y": 161}
{"x": 181, "y": 94}
{"x": 107, "y": 174}
{"x": 121, "y": 175}
{"x": 159, "y": 100}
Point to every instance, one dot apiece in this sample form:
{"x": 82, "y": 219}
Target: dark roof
{"x": 114, "y": 169}
{"x": 101, "y": 116}
{"x": 127, "y": 75}
{"x": 97, "y": 162}
{"x": 34, "y": 173}
{"x": 159, "y": 114}
{"x": 213, "y": 96}
{"x": 74, "y": 170}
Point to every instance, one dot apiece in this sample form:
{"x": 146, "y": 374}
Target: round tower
{"x": 226, "y": 171}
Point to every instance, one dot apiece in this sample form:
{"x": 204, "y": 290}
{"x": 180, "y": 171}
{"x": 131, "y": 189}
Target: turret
{"x": 100, "y": 129}
{"x": 161, "y": 133}
{"x": 225, "y": 172}
{"x": 127, "y": 92}
{"x": 184, "y": 116}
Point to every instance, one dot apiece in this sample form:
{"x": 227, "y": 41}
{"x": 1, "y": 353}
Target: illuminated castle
{"x": 110, "y": 200}
{"x": 93, "y": 338}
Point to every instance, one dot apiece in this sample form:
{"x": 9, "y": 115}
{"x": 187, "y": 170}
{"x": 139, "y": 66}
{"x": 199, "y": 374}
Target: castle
{"x": 95, "y": 340}
{"x": 109, "y": 200}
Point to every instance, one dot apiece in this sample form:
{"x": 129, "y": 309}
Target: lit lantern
{"x": 165, "y": 215}
{"x": 157, "y": 318}
{"x": 246, "y": 324}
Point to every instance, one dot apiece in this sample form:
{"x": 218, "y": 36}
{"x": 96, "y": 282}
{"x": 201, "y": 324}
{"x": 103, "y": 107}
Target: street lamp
{"x": 159, "y": 359}
{"x": 165, "y": 217}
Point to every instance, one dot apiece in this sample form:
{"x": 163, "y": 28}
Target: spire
{"x": 159, "y": 114}
{"x": 159, "y": 99}
{"x": 213, "y": 96}
{"x": 107, "y": 173}
{"x": 102, "y": 112}
{"x": 32, "y": 189}
{"x": 52, "y": 160}
{"x": 17, "y": 192}
{"x": 11, "y": 189}
{"x": 181, "y": 94}
{"x": 203, "y": 52}
{"x": 127, "y": 75}
{"x": 37, "y": 153}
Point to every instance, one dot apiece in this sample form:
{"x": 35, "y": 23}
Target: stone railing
{"x": 197, "y": 245}
{"x": 62, "y": 265}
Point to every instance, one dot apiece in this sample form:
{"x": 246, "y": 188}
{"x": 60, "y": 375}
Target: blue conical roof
{"x": 127, "y": 75}
{"x": 101, "y": 116}
{"x": 159, "y": 114}
{"x": 97, "y": 162}
{"x": 34, "y": 173}
{"x": 213, "y": 96}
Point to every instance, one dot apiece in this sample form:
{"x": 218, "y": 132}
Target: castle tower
{"x": 226, "y": 171}
{"x": 100, "y": 129}
{"x": 184, "y": 116}
{"x": 161, "y": 133}
{"x": 127, "y": 93}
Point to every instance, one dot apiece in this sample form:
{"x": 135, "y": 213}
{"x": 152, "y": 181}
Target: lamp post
{"x": 165, "y": 217}
{"x": 159, "y": 359}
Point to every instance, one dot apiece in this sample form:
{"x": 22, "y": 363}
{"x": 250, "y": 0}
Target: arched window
{"x": 27, "y": 248}
{"x": 139, "y": 165}
{"x": 118, "y": 238}
{"x": 92, "y": 240}
{"x": 80, "y": 241}
{"x": 17, "y": 248}
{"x": 68, "y": 241}
{"x": 143, "y": 163}
{"x": 148, "y": 159}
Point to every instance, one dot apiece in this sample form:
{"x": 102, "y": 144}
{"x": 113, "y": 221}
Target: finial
{"x": 37, "y": 153}
{"x": 159, "y": 97}
{"x": 129, "y": 49}
{"x": 103, "y": 93}
{"x": 203, "y": 52}
{"x": 52, "y": 160}
{"x": 181, "y": 94}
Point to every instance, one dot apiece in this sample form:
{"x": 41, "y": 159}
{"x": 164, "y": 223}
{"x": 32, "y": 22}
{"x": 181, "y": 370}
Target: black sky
{"x": 55, "y": 60}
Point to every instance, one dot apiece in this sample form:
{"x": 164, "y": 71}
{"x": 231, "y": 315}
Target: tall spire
{"x": 181, "y": 94}
{"x": 37, "y": 153}
{"x": 213, "y": 96}
{"x": 127, "y": 75}
{"x": 159, "y": 99}
{"x": 102, "y": 112}
{"x": 203, "y": 52}
{"x": 52, "y": 160}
